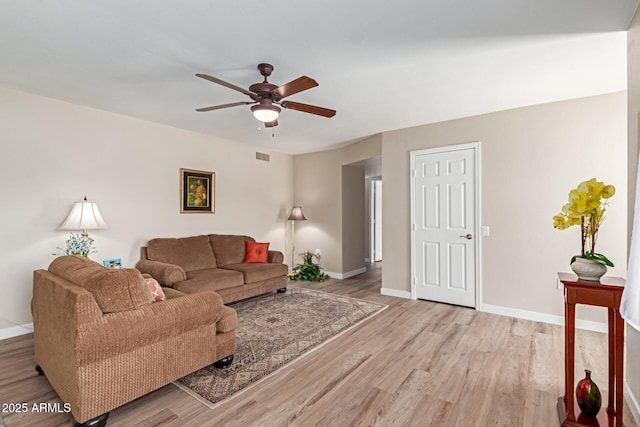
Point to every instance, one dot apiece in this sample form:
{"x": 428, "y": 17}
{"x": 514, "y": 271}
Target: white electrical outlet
{"x": 560, "y": 285}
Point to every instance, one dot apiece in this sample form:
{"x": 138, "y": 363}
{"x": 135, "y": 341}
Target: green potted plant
{"x": 308, "y": 270}
{"x": 78, "y": 244}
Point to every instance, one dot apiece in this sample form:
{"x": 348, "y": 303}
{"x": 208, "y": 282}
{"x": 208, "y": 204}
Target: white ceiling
{"x": 382, "y": 65}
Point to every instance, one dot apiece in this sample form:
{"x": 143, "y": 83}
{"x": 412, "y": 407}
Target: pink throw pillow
{"x": 156, "y": 289}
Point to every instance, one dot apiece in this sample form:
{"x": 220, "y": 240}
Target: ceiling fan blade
{"x": 295, "y": 86}
{"x": 218, "y": 107}
{"x": 306, "y": 108}
{"x": 271, "y": 124}
{"x": 225, "y": 84}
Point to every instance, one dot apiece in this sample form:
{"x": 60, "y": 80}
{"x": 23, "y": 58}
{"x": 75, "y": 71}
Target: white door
{"x": 376, "y": 220}
{"x": 444, "y": 225}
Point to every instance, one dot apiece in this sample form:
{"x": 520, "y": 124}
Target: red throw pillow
{"x": 256, "y": 252}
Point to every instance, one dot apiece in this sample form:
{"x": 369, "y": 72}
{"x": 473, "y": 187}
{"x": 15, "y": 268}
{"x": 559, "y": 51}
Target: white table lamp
{"x": 84, "y": 216}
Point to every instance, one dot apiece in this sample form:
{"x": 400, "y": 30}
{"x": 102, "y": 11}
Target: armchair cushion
{"x": 114, "y": 290}
{"x": 171, "y": 293}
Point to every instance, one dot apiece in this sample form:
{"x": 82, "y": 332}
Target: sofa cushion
{"x": 256, "y": 252}
{"x": 257, "y": 272}
{"x": 211, "y": 279}
{"x": 113, "y": 289}
{"x": 228, "y": 249}
{"x": 190, "y": 253}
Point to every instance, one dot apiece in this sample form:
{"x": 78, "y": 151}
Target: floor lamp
{"x": 296, "y": 215}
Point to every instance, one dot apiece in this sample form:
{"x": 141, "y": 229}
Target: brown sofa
{"x": 212, "y": 263}
{"x": 102, "y": 341}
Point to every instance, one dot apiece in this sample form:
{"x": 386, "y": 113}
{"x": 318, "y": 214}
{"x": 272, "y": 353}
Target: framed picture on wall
{"x": 197, "y": 191}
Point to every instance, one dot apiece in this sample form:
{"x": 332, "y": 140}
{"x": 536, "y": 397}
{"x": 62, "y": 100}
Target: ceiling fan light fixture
{"x": 266, "y": 113}
{"x": 264, "y": 95}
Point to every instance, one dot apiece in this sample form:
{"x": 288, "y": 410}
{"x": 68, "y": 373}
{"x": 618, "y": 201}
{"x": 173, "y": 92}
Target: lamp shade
{"x": 84, "y": 216}
{"x": 296, "y": 214}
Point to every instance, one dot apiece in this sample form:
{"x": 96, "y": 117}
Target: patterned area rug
{"x": 273, "y": 331}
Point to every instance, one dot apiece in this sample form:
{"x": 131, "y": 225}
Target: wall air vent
{"x": 262, "y": 156}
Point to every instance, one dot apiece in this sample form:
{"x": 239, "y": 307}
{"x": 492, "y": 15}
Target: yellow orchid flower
{"x": 608, "y": 191}
{"x": 560, "y": 222}
{"x": 586, "y": 207}
{"x": 591, "y": 186}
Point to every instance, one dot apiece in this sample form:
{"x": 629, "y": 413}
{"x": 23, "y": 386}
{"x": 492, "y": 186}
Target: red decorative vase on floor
{"x": 588, "y": 395}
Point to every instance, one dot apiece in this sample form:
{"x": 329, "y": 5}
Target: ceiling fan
{"x": 265, "y": 97}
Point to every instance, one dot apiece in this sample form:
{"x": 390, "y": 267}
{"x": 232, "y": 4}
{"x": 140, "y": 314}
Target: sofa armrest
{"x": 276, "y": 257}
{"x": 166, "y": 274}
{"x": 58, "y": 307}
{"x": 125, "y": 331}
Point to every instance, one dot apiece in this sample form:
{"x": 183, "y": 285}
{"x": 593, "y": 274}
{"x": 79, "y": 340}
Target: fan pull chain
{"x": 273, "y": 129}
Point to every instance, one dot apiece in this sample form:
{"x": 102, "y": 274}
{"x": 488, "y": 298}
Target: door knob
{"x": 468, "y": 236}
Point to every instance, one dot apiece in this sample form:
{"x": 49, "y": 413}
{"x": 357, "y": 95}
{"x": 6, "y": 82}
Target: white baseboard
{"x": 542, "y": 317}
{"x": 632, "y": 401}
{"x": 15, "y": 331}
{"x": 347, "y": 274}
{"x": 395, "y": 293}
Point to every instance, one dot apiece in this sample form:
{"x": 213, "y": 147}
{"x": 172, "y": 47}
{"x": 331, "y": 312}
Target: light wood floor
{"x": 415, "y": 364}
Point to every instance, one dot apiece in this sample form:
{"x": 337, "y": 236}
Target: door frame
{"x": 477, "y": 246}
{"x": 371, "y": 216}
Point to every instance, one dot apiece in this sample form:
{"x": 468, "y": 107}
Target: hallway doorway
{"x": 376, "y": 219}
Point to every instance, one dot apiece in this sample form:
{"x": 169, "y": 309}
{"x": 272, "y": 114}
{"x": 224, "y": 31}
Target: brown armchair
{"x": 94, "y": 327}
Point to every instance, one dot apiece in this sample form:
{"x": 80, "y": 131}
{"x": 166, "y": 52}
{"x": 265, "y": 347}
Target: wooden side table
{"x": 607, "y": 293}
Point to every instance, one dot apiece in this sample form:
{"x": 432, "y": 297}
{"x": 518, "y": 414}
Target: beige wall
{"x": 54, "y": 153}
{"x": 633, "y": 93}
{"x": 353, "y": 214}
{"x": 318, "y": 189}
{"x": 530, "y": 158}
